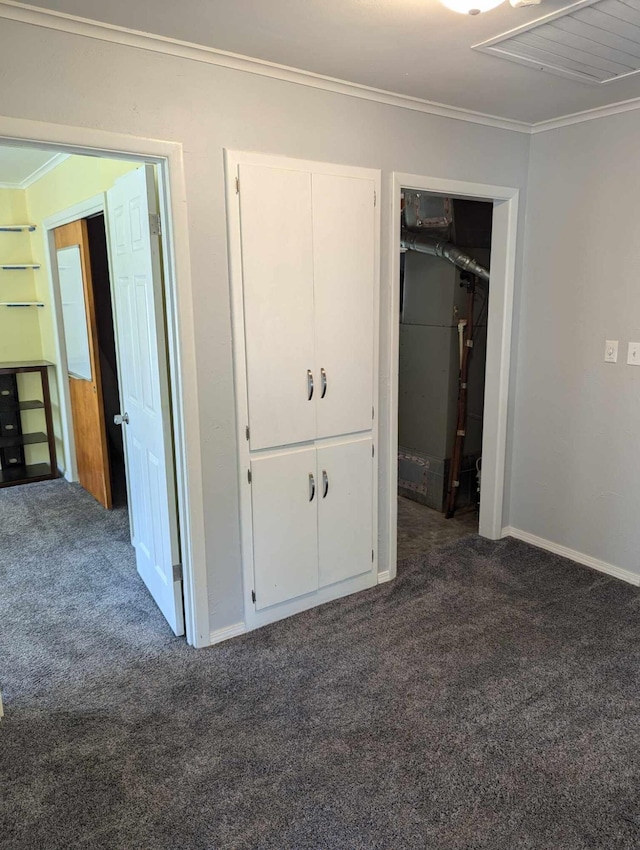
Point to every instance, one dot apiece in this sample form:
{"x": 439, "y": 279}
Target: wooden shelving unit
{"x": 14, "y": 440}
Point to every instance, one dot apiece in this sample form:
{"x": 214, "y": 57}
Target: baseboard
{"x": 384, "y": 576}
{"x": 572, "y": 555}
{"x": 228, "y": 632}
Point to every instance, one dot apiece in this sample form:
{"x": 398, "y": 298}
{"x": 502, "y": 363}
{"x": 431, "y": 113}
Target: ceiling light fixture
{"x": 475, "y": 7}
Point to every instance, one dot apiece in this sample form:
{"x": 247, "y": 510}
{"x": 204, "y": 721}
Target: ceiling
{"x": 20, "y": 167}
{"x": 411, "y": 47}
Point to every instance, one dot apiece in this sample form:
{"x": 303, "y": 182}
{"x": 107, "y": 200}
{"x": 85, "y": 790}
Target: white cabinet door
{"x": 345, "y": 510}
{"x": 284, "y": 499}
{"x": 277, "y": 268}
{"x": 344, "y": 279}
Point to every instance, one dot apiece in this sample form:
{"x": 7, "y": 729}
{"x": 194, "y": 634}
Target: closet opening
{"x": 444, "y": 297}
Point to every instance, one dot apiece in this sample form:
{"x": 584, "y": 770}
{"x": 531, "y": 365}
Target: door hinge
{"x": 247, "y": 432}
{"x": 249, "y": 476}
{"x": 372, "y": 556}
{"x": 237, "y": 185}
{"x": 154, "y": 224}
{"x": 373, "y": 413}
{"x": 375, "y": 198}
{"x": 177, "y": 572}
{"x": 373, "y": 451}
{"x": 253, "y": 596}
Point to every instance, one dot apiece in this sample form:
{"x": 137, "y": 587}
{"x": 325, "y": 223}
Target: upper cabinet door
{"x": 344, "y": 281}
{"x": 277, "y": 267}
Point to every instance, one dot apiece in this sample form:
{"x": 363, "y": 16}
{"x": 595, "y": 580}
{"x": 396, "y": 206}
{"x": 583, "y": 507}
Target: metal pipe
{"x": 439, "y": 248}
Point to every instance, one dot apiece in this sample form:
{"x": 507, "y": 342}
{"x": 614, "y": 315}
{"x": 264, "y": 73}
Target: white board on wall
{"x": 74, "y": 314}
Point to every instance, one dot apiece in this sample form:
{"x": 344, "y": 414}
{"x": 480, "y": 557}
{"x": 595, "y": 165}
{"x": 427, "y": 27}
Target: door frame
{"x": 168, "y": 157}
{"x": 499, "y": 325}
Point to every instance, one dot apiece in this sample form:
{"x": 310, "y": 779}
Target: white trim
{"x": 180, "y": 317}
{"x": 586, "y": 115}
{"x": 91, "y": 206}
{"x": 499, "y": 321}
{"x": 63, "y": 22}
{"x": 233, "y": 159}
{"x": 384, "y": 576}
{"x": 572, "y": 555}
{"x": 48, "y": 166}
{"x": 227, "y": 632}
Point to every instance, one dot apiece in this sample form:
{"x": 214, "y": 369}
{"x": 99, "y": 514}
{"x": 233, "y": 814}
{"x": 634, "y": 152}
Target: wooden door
{"x": 344, "y": 280}
{"x": 345, "y": 510}
{"x": 284, "y": 498}
{"x": 277, "y": 270}
{"x": 87, "y": 407}
{"x": 144, "y": 388}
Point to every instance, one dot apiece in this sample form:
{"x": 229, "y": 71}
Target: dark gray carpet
{"x": 488, "y": 698}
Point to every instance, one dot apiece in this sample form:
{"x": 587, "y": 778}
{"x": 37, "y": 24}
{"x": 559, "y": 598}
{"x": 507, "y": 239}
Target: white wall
{"x": 84, "y": 82}
{"x": 575, "y": 480}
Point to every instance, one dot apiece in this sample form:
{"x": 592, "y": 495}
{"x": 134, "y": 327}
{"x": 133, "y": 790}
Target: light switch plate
{"x": 633, "y": 354}
{"x": 611, "y": 351}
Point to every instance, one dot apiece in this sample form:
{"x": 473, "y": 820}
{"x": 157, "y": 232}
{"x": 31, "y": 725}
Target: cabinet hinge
{"x": 177, "y": 572}
{"x": 237, "y": 185}
{"x": 253, "y": 596}
{"x": 154, "y": 224}
{"x": 247, "y": 432}
{"x": 373, "y": 413}
{"x": 373, "y": 451}
{"x": 249, "y": 476}
{"x": 375, "y": 198}
{"x": 372, "y": 556}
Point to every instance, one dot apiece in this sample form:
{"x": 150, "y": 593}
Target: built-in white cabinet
{"x": 312, "y": 518}
{"x": 305, "y": 280}
{"x": 308, "y": 265}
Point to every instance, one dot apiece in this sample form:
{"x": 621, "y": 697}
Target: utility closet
{"x": 445, "y": 263}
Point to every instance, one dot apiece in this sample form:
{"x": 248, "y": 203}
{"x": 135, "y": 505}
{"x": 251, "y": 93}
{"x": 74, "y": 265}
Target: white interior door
{"x": 277, "y": 272}
{"x": 284, "y": 498}
{"x": 344, "y": 278}
{"x": 144, "y": 387}
{"x": 345, "y": 510}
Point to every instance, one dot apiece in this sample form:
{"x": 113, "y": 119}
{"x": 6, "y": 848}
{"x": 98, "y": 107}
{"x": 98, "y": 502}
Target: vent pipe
{"x": 439, "y": 248}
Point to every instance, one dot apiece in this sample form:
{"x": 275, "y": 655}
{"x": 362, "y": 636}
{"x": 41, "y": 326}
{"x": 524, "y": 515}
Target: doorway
{"x": 504, "y": 201}
{"x": 444, "y": 297}
{"x": 99, "y": 323}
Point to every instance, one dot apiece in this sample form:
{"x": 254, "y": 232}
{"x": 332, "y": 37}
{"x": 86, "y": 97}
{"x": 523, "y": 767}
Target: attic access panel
{"x": 595, "y": 41}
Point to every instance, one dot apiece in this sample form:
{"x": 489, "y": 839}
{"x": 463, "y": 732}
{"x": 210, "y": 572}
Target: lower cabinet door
{"x": 345, "y": 510}
{"x": 284, "y": 494}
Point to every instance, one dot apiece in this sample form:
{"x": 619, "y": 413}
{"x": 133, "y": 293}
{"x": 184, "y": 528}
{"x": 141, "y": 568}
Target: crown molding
{"x": 48, "y": 166}
{"x": 73, "y": 24}
{"x": 586, "y": 115}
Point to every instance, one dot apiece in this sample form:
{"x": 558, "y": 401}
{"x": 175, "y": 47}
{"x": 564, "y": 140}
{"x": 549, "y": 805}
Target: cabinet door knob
{"x": 323, "y": 383}
{"x": 325, "y": 483}
{"x": 312, "y": 487}
{"x": 309, "y": 384}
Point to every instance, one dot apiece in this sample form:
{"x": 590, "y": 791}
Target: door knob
{"x": 121, "y": 419}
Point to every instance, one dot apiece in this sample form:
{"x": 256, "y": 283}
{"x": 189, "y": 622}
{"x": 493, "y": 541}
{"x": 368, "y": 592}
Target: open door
{"x": 144, "y": 387}
{"x": 83, "y": 359}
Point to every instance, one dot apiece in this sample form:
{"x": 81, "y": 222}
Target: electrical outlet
{"x": 611, "y": 351}
{"x": 633, "y": 354}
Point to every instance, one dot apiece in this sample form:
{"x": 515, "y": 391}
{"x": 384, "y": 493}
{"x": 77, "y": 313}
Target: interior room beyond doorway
{"x": 444, "y": 296}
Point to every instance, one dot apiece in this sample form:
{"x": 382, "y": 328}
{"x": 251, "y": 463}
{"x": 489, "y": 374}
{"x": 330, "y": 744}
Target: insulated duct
{"x": 439, "y": 248}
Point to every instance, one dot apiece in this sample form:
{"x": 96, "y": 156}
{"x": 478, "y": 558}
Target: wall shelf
{"x": 17, "y": 228}
{"x": 15, "y": 267}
